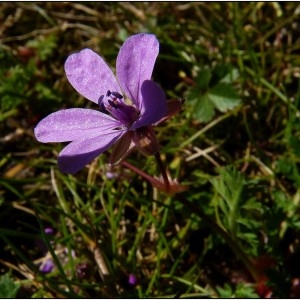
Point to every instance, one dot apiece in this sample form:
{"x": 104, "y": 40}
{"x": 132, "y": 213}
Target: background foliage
{"x": 233, "y": 233}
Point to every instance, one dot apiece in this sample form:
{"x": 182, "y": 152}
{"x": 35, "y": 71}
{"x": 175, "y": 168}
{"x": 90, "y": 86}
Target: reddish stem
{"x": 163, "y": 171}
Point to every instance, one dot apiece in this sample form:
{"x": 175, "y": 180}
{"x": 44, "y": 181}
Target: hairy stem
{"x": 163, "y": 170}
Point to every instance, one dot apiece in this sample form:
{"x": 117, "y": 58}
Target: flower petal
{"x": 174, "y": 106}
{"x": 90, "y": 75}
{"x": 122, "y": 148}
{"x": 80, "y": 152}
{"x": 135, "y": 64}
{"x": 47, "y": 266}
{"x": 145, "y": 140}
{"x": 74, "y": 123}
{"x": 154, "y": 104}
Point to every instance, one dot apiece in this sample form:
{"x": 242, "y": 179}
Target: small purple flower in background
{"x": 111, "y": 175}
{"x": 47, "y": 266}
{"x": 46, "y": 263}
{"x": 130, "y": 104}
{"x": 132, "y": 280}
{"x": 49, "y": 230}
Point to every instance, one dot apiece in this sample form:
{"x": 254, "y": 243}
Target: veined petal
{"x": 135, "y": 64}
{"x": 81, "y": 152}
{"x": 145, "y": 140}
{"x": 122, "y": 148}
{"x": 72, "y": 124}
{"x": 90, "y": 75}
{"x": 154, "y": 104}
{"x": 173, "y": 107}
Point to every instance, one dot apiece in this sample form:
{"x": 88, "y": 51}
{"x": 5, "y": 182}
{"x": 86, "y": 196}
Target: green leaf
{"x": 288, "y": 168}
{"x": 8, "y": 288}
{"x": 245, "y": 291}
{"x": 230, "y": 76}
{"x": 203, "y": 78}
{"x": 221, "y": 96}
{"x": 225, "y": 291}
{"x": 253, "y": 205}
{"x": 204, "y": 110}
{"x": 224, "y": 97}
{"x": 229, "y": 186}
{"x": 240, "y": 291}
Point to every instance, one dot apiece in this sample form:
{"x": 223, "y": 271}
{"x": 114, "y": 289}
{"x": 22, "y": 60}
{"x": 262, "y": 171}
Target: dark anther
{"x": 113, "y": 104}
{"x": 101, "y": 104}
{"x": 108, "y": 93}
{"x": 117, "y": 95}
{"x": 100, "y": 100}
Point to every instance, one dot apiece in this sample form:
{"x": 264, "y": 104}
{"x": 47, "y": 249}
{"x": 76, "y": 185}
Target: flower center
{"x": 112, "y": 103}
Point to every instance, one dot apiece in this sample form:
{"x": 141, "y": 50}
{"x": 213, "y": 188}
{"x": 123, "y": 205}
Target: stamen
{"x": 102, "y": 105}
{"x": 100, "y": 100}
{"x": 114, "y": 104}
{"x": 117, "y": 95}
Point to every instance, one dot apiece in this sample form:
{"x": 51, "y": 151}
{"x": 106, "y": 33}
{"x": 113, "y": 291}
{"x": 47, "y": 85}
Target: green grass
{"x": 233, "y": 233}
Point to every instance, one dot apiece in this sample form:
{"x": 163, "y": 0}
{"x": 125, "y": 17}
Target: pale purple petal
{"x": 154, "y": 104}
{"x": 81, "y": 152}
{"x": 47, "y": 267}
{"x": 90, "y": 75}
{"x": 74, "y": 123}
{"x": 135, "y": 64}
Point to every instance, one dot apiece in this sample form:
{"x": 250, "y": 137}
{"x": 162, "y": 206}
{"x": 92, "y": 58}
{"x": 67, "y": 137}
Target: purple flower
{"x": 49, "y": 230}
{"x": 132, "y": 280}
{"x": 47, "y": 266}
{"x": 129, "y": 104}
